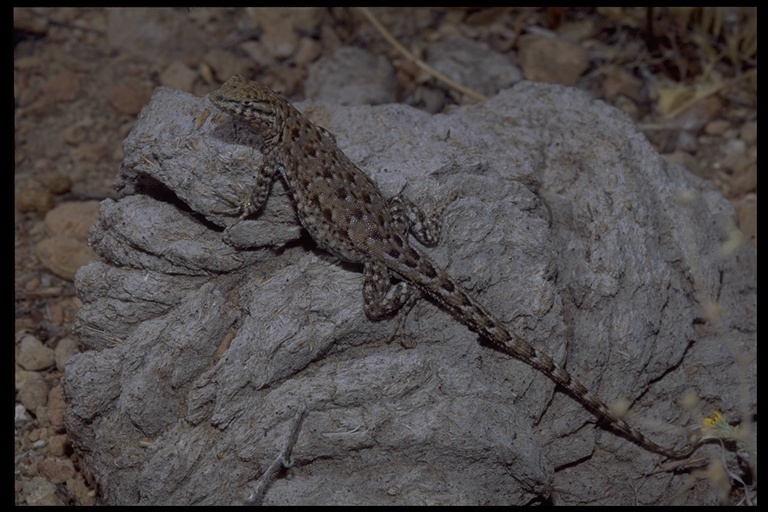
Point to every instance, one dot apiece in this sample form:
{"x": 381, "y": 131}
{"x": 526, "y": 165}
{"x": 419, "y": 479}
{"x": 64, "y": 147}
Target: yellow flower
{"x": 717, "y": 426}
{"x": 712, "y": 421}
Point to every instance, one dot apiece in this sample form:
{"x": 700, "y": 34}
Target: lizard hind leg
{"x": 400, "y": 298}
{"x": 409, "y": 217}
{"x": 383, "y": 299}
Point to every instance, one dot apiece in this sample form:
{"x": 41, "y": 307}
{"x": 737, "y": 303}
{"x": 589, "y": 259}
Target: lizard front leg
{"x": 255, "y": 198}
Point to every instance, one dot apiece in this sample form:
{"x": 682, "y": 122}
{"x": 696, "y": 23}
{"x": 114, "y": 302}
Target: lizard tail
{"x": 440, "y": 287}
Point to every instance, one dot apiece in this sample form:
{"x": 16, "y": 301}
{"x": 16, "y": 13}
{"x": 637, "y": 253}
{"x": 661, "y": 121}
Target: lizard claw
{"x": 240, "y": 207}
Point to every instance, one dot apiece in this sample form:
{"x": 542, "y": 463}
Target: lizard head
{"x": 249, "y": 101}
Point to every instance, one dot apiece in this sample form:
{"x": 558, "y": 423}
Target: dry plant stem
{"x": 283, "y": 460}
{"x": 420, "y": 63}
{"x": 707, "y": 92}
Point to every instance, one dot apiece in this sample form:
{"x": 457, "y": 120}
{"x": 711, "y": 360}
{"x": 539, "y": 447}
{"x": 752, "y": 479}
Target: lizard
{"x": 344, "y": 212}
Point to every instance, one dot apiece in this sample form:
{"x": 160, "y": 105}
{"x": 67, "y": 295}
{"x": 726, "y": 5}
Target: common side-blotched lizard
{"x": 345, "y": 213}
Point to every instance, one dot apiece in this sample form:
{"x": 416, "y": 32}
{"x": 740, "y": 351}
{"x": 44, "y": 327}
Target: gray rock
{"x": 33, "y": 354}
{"x": 65, "y": 349}
{"x": 474, "y": 64}
{"x": 41, "y": 492}
{"x": 352, "y": 76}
{"x": 207, "y": 336}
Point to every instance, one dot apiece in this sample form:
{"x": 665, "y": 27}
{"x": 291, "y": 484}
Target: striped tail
{"x": 438, "y": 285}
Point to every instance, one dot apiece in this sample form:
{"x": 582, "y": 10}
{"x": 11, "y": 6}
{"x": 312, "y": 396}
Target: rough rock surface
{"x": 206, "y": 338}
